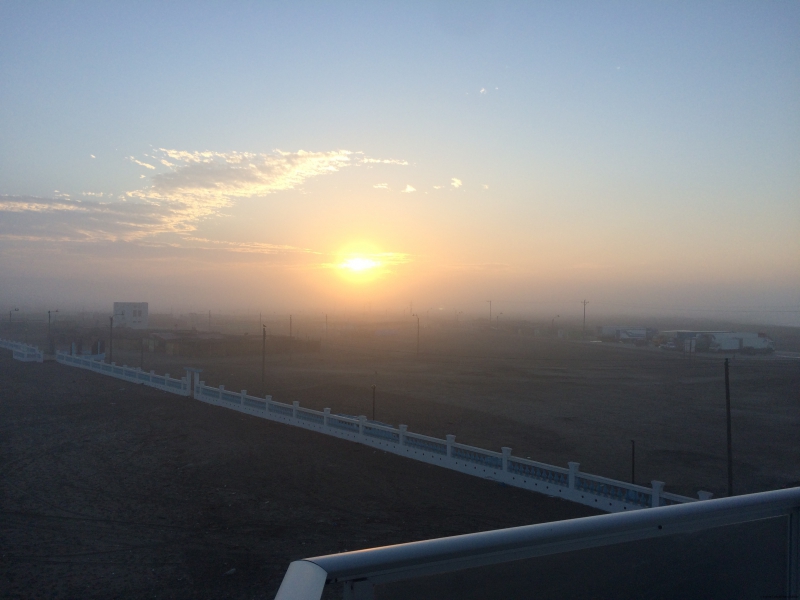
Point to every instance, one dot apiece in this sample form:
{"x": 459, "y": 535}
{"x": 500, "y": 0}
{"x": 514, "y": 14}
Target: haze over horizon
{"x": 245, "y": 156}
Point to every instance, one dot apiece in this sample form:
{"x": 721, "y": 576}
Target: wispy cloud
{"x": 140, "y": 163}
{"x": 384, "y": 161}
{"x": 409, "y": 189}
{"x": 456, "y": 183}
{"x": 65, "y": 219}
{"x": 186, "y": 188}
{"x": 381, "y": 186}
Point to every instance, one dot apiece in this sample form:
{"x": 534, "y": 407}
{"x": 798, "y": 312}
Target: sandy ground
{"x": 113, "y": 490}
{"x": 552, "y": 401}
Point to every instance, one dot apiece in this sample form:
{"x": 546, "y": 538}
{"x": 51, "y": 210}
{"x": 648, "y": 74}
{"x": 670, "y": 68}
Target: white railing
{"x": 23, "y": 352}
{"x": 361, "y": 570}
{"x": 131, "y": 374}
{"x": 571, "y": 484}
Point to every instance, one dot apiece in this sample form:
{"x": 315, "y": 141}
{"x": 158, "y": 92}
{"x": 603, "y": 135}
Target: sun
{"x": 359, "y": 268}
{"x": 358, "y": 264}
{"x": 363, "y": 263}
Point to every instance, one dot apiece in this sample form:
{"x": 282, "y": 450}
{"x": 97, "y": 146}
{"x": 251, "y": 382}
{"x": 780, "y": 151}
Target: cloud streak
{"x": 186, "y": 188}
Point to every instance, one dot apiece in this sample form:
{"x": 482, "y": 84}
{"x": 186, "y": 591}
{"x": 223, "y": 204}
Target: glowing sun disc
{"x": 358, "y": 264}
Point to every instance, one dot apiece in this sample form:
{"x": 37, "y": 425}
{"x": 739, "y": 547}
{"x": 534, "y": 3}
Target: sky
{"x": 345, "y": 156}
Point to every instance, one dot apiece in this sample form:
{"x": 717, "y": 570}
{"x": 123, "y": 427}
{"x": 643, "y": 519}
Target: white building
{"x": 130, "y": 314}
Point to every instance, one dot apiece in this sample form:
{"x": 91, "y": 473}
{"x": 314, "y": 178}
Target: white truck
{"x": 742, "y": 341}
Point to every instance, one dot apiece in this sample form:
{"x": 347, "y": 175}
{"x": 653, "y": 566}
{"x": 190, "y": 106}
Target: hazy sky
{"x": 238, "y": 154}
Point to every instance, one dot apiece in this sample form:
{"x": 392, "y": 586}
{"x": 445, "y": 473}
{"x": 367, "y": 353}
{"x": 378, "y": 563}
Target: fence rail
{"x": 23, "y": 352}
{"x": 360, "y": 571}
{"x": 605, "y": 494}
{"x": 132, "y": 374}
{"x": 571, "y": 484}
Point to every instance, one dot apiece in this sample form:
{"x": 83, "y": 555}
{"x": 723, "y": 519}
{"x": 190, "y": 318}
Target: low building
{"x": 625, "y": 334}
{"x": 746, "y": 342}
{"x": 131, "y": 314}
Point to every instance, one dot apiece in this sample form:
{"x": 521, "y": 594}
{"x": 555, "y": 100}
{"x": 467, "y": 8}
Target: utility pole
{"x": 490, "y": 312}
{"x": 585, "y": 302}
{"x": 209, "y": 320}
{"x": 49, "y": 337}
{"x": 263, "y": 353}
{"x": 290, "y": 326}
{"x": 728, "y": 412}
{"x": 415, "y": 315}
{"x": 110, "y": 338}
{"x": 374, "y": 385}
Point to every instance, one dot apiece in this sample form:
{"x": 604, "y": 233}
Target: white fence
{"x": 131, "y": 374}
{"x": 569, "y": 483}
{"x": 23, "y": 352}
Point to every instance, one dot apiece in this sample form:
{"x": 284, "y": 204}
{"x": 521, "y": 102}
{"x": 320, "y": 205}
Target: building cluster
{"x": 689, "y": 340}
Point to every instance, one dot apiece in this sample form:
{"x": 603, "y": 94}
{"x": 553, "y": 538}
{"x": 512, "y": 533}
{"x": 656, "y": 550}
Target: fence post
{"x": 361, "y": 420}
{"x": 658, "y": 487}
{"x": 327, "y": 414}
{"x": 295, "y": 404}
{"x": 506, "y": 453}
{"x": 573, "y": 473}
{"x": 450, "y": 440}
{"x": 402, "y": 434}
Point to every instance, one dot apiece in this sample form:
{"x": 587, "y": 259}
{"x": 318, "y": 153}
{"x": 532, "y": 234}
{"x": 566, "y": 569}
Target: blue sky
{"x": 600, "y": 149}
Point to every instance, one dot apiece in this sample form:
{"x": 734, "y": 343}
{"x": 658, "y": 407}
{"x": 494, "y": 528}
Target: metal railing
{"x": 360, "y": 571}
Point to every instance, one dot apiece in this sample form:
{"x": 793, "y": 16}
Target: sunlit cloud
{"x": 81, "y": 220}
{"x": 409, "y": 189}
{"x": 485, "y": 186}
{"x": 384, "y": 161}
{"x": 186, "y": 188}
{"x": 93, "y": 156}
{"x": 456, "y": 183}
{"x": 140, "y": 163}
{"x": 245, "y": 247}
{"x": 381, "y": 186}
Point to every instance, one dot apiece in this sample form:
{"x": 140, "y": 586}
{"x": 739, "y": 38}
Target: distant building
{"x": 747, "y": 342}
{"x": 625, "y": 333}
{"x": 130, "y": 314}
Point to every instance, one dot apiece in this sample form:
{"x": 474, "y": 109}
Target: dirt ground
{"x": 108, "y": 489}
{"x": 551, "y": 400}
